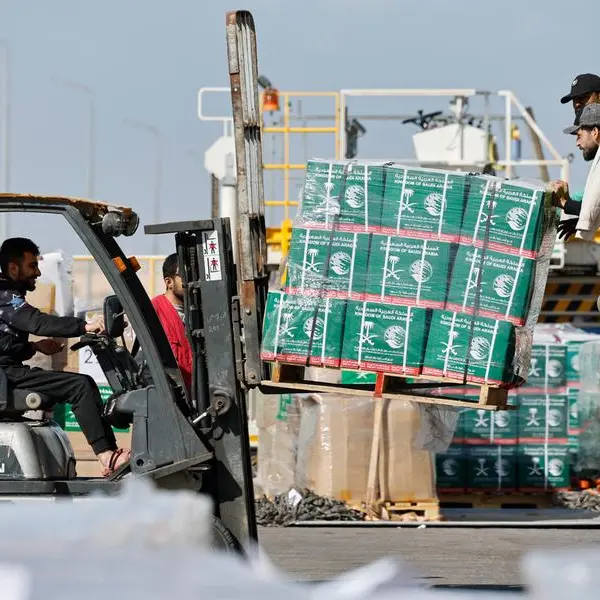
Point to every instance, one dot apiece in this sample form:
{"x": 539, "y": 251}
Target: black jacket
{"x": 18, "y": 319}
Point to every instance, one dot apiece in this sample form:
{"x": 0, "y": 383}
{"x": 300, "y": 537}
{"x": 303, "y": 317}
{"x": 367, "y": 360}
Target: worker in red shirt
{"x": 169, "y": 308}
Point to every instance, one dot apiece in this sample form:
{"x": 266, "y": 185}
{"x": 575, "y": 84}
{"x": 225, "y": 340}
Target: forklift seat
{"x": 17, "y": 401}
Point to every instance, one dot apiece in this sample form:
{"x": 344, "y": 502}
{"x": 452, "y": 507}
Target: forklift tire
{"x": 222, "y": 538}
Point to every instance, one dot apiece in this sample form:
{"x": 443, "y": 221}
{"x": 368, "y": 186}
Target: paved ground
{"x": 445, "y": 557}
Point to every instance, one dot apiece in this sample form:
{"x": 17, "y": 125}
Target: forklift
{"x": 195, "y": 440}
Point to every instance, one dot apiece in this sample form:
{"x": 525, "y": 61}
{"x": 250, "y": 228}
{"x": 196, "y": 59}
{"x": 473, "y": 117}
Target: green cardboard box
{"x": 480, "y": 349}
{"x": 574, "y": 426}
{"x": 426, "y": 203}
{"x": 357, "y": 377}
{"x": 381, "y": 338}
{"x": 408, "y": 271}
{"x": 547, "y": 370}
{"x": 451, "y": 470}
{"x": 490, "y": 427}
{"x": 330, "y": 264}
{"x": 543, "y": 418}
{"x": 503, "y": 216}
{"x": 492, "y": 468}
{"x": 303, "y": 329}
{"x": 491, "y": 284}
{"x": 543, "y": 467}
{"x": 360, "y": 188}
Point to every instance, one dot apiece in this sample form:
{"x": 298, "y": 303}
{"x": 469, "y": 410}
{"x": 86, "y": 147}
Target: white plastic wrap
{"x": 562, "y": 574}
{"x": 140, "y": 517}
{"x": 588, "y": 408}
{"x": 154, "y": 545}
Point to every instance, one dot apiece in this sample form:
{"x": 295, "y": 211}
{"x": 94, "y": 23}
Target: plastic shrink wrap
{"x": 413, "y": 271}
{"x": 322, "y": 442}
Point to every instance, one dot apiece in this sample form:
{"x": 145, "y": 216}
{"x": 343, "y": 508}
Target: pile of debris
{"x": 302, "y": 505}
{"x": 579, "y": 500}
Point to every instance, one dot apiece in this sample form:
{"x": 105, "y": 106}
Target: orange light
{"x": 135, "y": 263}
{"x": 120, "y": 264}
{"x": 271, "y": 100}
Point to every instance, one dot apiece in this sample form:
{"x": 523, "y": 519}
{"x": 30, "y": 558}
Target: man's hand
{"x": 48, "y": 346}
{"x": 560, "y": 190}
{"x": 567, "y": 228}
{"x": 96, "y": 325}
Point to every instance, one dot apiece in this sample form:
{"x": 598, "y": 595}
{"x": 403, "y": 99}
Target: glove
{"x": 567, "y": 228}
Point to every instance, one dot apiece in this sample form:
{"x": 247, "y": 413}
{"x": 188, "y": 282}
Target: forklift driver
{"x": 169, "y": 309}
{"x": 18, "y": 319}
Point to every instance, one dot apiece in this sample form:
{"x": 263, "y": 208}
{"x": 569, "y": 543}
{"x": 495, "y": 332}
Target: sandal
{"x": 112, "y": 470}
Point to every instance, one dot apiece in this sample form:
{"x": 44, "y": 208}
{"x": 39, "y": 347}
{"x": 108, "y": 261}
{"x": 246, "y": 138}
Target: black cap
{"x": 583, "y": 84}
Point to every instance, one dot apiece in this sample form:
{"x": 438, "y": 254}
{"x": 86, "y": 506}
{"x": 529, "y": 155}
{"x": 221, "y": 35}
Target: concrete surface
{"x": 474, "y": 558}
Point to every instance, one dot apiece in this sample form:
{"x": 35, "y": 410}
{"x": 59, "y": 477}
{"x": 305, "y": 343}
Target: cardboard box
{"x": 379, "y": 338}
{"x": 334, "y": 446}
{"x": 543, "y": 418}
{"x": 478, "y": 349}
{"x": 303, "y": 329}
{"x": 503, "y": 216}
{"x": 329, "y": 264}
{"x": 491, "y": 284}
{"x": 278, "y": 422}
{"x": 484, "y": 427}
{"x": 405, "y": 472}
{"x": 543, "y": 467}
{"x": 492, "y": 468}
{"x": 408, "y": 271}
{"x": 347, "y": 198}
{"x": 574, "y": 425}
{"x": 451, "y": 469}
{"x": 547, "y": 371}
{"x": 423, "y": 203}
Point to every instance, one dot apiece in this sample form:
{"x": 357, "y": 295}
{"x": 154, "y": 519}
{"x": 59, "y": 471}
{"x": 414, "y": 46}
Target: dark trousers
{"x": 80, "y": 391}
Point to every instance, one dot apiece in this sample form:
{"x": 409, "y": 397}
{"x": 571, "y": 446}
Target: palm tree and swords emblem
{"x": 328, "y": 204}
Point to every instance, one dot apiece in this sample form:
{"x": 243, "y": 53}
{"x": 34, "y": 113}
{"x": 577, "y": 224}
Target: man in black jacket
{"x": 18, "y": 319}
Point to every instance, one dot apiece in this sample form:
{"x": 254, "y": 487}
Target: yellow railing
{"x": 281, "y": 237}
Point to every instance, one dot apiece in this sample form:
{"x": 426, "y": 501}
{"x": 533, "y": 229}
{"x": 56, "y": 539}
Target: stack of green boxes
{"x": 408, "y": 271}
{"x": 530, "y": 449}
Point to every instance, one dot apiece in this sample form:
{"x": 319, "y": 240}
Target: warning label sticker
{"x": 212, "y": 256}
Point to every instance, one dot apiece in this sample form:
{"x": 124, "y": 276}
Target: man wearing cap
{"x": 585, "y": 89}
{"x": 587, "y": 130}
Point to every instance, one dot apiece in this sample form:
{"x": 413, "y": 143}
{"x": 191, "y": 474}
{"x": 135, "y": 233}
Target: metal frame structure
{"x": 510, "y": 101}
{"x": 513, "y": 111}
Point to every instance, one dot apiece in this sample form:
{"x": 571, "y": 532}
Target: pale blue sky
{"x": 146, "y": 60}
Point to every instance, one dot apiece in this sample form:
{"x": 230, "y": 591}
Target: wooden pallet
{"x": 427, "y": 509}
{"x": 288, "y": 378}
{"x": 423, "y": 510}
{"x": 516, "y": 500}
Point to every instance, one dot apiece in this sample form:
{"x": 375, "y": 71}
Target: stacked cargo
{"x": 411, "y": 271}
{"x": 534, "y": 447}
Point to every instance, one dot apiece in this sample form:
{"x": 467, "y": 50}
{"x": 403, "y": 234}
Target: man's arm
{"x": 21, "y": 315}
{"x": 572, "y": 206}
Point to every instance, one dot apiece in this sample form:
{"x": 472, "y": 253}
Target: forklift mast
{"x": 225, "y": 297}
{"x": 251, "y": 230}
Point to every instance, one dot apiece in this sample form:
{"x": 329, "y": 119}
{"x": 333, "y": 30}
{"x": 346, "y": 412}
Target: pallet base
{"x": 288, "y": 378}
{"x": 417, "y": 510}
{"x": 492, "y": 500}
